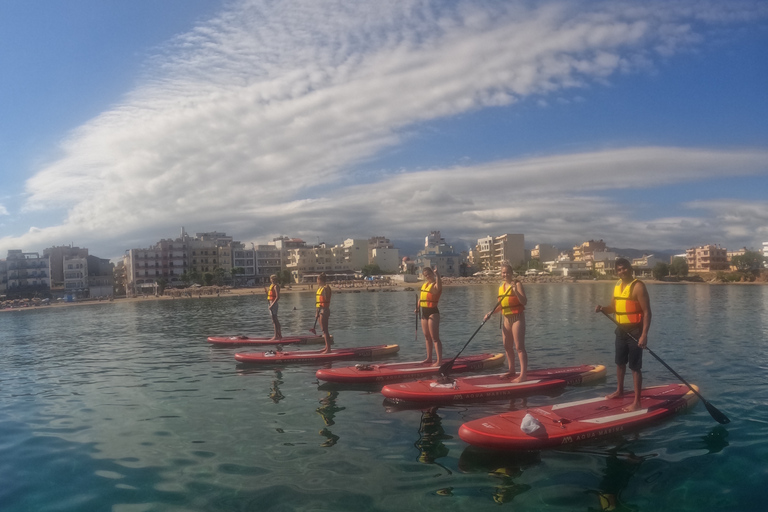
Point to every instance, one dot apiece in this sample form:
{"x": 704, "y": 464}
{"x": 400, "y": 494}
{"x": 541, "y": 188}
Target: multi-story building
{"x": 605, "y": 260}
{"x": 491, "y": 251}
{"x": 567, "y": 267}
{"x": 243, "y": 263}
{"x": 585, "y": 251}
{"x": 544, "y": 252}
{"x": 644, "y": 266}
{"x": 56, "y": 257}
{"x": 166, "y": 260}
{"x": 307, "y": 262}
{"x": 3, "y": 277}
{"x": 101, "y": 277}
{"x": 387, "y": 258}
{"x": 355, "y": 253}
{"x": 28, "y": 274}
{"x": 707, "y": 258}
{"x": 438, "y": 254}
{"x": 269, "y": 259}
{"x": 765, "y": 254}
{"x": 76, "y": 275}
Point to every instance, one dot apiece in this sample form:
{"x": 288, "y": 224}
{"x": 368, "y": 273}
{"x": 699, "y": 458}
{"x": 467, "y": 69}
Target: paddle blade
{"x": 313, "y": 331}
{"x": 446, "y": 367}
{"x": 716, "y": 414}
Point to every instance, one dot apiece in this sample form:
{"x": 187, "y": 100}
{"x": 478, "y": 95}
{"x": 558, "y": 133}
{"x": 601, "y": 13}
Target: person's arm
{"x": 438, "y": 283}
{"x": 518, "y": 290}
{"x": 610, "y": 309}
{"x": 640, "y": 293}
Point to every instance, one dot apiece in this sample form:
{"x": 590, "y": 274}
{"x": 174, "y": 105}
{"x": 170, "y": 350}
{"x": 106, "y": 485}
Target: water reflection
{"x": 327, "y": 411}
{"x": 274, "y": 391}
{"x": 504, "y": 467}
{"x": 620, "y": 466}
{"x": 431, "y": 437}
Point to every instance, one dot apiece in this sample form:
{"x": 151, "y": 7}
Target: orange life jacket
{"x": 628, "y": 310}
{"x": 272, "y": 293}
{"x": 510, "y": 305}
{"x": 428, "y": 297}
{"x": 321, "y": 300}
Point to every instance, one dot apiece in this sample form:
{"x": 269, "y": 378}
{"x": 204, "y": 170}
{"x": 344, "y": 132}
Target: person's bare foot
{"x": 521, "y": 378}
{"x": 615, "y": 394}
{"x": 507, "y": 376}
{"x": 634, "y": 406}
{"x": 438, "y": 363}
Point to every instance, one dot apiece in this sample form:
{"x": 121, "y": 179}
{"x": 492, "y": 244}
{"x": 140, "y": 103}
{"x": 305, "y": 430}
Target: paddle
{"x": 446, "y": 367}
{"x": 416, "y": 314}
{"x": 713, "y": 411}
{"x": 312, "y": 330}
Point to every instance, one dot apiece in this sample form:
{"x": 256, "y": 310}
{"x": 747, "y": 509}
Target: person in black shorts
{"x": 430, "y": 315}
{"x": 632, "y": 309}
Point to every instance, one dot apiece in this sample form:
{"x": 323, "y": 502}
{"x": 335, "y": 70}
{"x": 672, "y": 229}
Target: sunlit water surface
{"x": 126, "y": 407}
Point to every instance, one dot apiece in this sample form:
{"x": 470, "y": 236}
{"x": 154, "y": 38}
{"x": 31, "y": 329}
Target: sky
{"x": 642, "y": 123}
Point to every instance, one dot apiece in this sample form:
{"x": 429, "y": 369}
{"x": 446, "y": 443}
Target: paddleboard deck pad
{"x": 487, "y": 387}
{"x": 392, "y": 372}
{"x": 583, "y": 420}
{"x": 255, "y": 340}
{"x": 309, "y": 356}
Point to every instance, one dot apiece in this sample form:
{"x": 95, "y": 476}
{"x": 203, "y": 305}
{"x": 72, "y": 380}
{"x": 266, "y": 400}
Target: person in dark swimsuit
{"x": 430, "y": 315}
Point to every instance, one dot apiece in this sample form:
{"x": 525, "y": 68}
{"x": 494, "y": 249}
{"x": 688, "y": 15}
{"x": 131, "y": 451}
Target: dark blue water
{"x": 126, "y": 408}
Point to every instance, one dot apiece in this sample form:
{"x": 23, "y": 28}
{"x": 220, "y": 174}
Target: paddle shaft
{"x": 416, "y": 315}
{"x": 713, "y": 411}
{"x": 447, "y": 366}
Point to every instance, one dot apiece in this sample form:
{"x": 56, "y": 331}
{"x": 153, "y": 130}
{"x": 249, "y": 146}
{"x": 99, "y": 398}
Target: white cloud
{"x": 255, "y": 121}
{"x": 3, "y": 210}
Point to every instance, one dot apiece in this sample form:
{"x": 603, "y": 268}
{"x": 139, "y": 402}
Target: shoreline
{"x": 215, "y": 292}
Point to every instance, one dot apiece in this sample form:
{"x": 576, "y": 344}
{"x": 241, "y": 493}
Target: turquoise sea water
{"x": 124, "y": 407}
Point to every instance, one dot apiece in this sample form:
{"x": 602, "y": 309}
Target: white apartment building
{"x": 491, "y": 251}
{"x": 438, "y": 254}
{"x": 388, "y": 259}
{"x": 355, "y": 253}
{"x": 765, "y": 254}
{"x": 27, "y": 272}
{"x": 75, "y": 274}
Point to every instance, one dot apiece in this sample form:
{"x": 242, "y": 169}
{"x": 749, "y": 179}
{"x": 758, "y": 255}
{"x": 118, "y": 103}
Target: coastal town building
{"x": 707, "y": 258}
{"x": 76, "y": 275}
{"x": 27, "y": 274}
{"x": 586, "y": 251}
{"x": 566, "y": 267}
{"x": 101, "y": 277}
{"x": 765, "y": 254}
{"x": 491, "y": 251}
{"x": 439, "y": 255}
{"x": 601, "y": 261}
{"x": 643, "y": 266}
{"x": 56, "y": 256}
{"x": 383, "y": 253}
{"x": 544, "y": 252}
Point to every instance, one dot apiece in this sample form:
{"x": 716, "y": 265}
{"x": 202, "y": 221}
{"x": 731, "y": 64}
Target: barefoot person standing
{"x": 273, "y": 295}
{"x": 632, "y": 308}
{"x": 512, "y": 305}
{"x": 430, "y": 315}
{"x": 323, "y": 308}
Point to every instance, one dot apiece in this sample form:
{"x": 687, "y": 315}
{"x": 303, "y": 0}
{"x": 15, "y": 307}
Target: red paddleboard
{"x": 484, "y": 387}
{"x": 309, "y": 356}
{"x": 250, "y": 340}
{"x": 390, "y": 372}
{"x": 583, "y": 420}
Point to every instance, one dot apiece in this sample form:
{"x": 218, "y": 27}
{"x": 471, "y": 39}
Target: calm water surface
{"x": 126, "y": 408}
